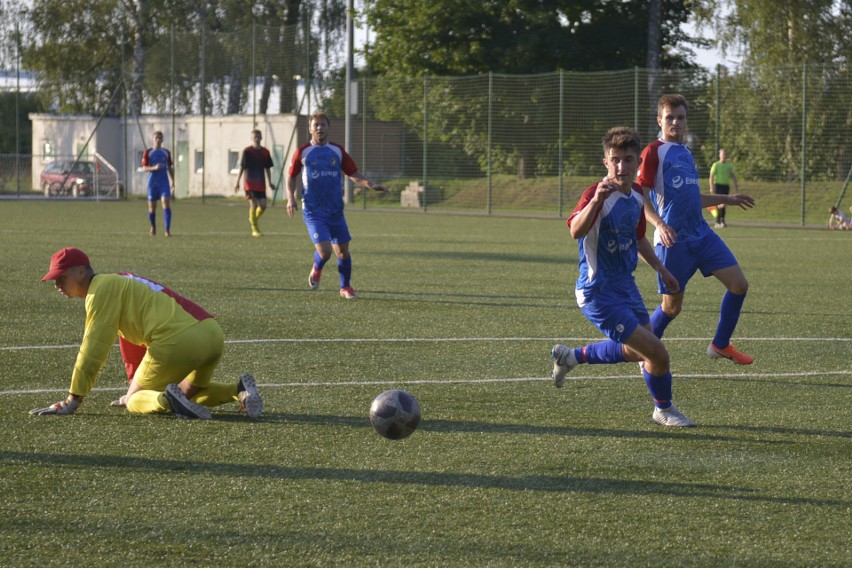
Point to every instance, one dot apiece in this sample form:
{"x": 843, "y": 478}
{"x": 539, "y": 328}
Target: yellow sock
{"x": 215, "y": 394}
{"x": 252, "y": 218}
{"x": 258, "y": 212}
{"x": 148, "y": 402}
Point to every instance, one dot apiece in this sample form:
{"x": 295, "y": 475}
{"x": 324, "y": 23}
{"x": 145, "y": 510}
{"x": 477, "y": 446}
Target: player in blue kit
{"x": 684, "y": 241}
{"x": 322, "y": 165}
{"x": 157, "y": 161}
{"x": 609, "y": 223}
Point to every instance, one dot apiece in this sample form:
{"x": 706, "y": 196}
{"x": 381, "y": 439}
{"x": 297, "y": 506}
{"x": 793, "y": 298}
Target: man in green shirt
{"x": 721, "y": 175}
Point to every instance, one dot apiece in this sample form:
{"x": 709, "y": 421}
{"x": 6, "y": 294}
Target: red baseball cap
{"x": 63, "y": 260}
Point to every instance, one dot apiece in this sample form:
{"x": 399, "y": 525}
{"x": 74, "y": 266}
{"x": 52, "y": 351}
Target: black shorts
{"x": 722, "y": 189}
{"x": 258, "y": 195}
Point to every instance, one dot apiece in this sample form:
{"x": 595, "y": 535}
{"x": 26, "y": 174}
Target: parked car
{"x": 65, "y": 177}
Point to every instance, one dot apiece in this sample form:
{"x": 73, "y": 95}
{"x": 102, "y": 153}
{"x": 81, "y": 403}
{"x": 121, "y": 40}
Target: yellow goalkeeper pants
{"x": 192, "y": 354}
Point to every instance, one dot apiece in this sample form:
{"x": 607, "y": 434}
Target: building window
{"x": 234, "y": 161}
{"x": 46, "y": 151}
{"x": 199, "y": 161}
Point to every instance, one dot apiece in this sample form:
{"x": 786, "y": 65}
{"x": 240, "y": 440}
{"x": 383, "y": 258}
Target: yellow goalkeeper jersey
{"x": 141, "y": 311}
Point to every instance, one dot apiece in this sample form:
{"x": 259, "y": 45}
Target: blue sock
{"x": 659, "y": 322}
{"x": 729, "y": 315}
{"x": 660, "y": 388}
{"x": 601, "y": 353}
{"x": 318, "y": 261}
{"x": 152, "y": 218}
{"x": 167, "y": 218}
{"x": 344, "y": 267}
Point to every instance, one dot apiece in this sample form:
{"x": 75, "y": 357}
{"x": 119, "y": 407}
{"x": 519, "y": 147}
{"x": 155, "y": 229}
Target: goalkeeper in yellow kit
{"x": 171, "y": 345}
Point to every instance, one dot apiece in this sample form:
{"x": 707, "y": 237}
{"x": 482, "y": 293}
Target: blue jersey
{"x": 158, "y": 179}
{"x": 322, "y": 169}
{"x": 608, "y": 252}
{"x": 668, "y": 170}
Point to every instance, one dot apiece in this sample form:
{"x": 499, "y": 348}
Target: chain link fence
{"x": 504, "y": 144}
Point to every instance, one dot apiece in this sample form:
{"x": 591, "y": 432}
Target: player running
{"x": 684, "y": 241}
{"x": 609, "y": 223}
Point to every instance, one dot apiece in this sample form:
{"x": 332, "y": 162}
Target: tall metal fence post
{"x": 560, "y": 195}
{"x": 718, "y": 93}
{"x": 363, "y": 92}
{"x": 17, "y": 110}
{"x": 425, "y": 138}
{"x": 636, "y": 99}
{"x": 203, "y": 107}
{"x": 172, "y": 101}
{"x": 253, "y": 73}
{"x": 804, "y": 132}
{"x": 488, "y": 144}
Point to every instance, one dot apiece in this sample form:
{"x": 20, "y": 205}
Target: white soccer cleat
{"x": 563, "y": 361}
{"x": 249, "y": 396}
{"x": 671, "y": 416}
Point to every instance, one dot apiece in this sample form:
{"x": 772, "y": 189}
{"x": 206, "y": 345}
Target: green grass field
{"x": 505, "y": 470}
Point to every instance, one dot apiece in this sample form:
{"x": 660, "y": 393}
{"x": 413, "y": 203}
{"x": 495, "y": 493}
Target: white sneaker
{"x": 249, "y": 396}
{"x": 563, "y": 361}
{"x": 182, "y": 407}
{"x": 671, "y": 416}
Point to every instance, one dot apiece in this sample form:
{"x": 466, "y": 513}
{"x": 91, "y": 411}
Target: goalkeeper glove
{"x": 64, "y": 407}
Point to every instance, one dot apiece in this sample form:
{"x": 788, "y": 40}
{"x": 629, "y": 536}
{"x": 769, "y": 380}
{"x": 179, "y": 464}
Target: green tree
{"x": 465, "y": 37}
{"x": 795, "y": 57}
{"x": 474, "y": 37}
{"x": 26, "y": 103}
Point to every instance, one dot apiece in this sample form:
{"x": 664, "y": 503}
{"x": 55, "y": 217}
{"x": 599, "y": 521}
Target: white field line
{"x": 448, "y": 381}
{"x": 445, "y": 340}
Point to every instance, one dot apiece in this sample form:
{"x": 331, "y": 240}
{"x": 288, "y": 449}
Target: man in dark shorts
{"x": 254, "y": 161}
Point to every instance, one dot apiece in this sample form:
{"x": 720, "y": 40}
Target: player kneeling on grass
{"x": 609, "y": 222}
{"x": 172, "y": 344}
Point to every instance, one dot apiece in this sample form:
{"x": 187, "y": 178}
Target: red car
{"x": 65, "y": 177}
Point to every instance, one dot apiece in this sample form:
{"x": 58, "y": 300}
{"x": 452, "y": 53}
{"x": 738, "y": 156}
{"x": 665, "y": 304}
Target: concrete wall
{"x": 204, "y": 149}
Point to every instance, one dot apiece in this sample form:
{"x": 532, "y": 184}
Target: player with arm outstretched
{"x": 684, "y": 241}
{"x": 322, "y": 165}
{"x": 609, "y": 224}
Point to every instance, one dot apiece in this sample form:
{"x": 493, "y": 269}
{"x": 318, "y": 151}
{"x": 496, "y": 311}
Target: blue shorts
{"x": 616, "y": 309}
{"x": 322, "y": 228}
{"x": 158, "y": 192}
{"x": 707, "y": 254}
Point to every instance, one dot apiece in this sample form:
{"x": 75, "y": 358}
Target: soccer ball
{"x": 395, "y": 414}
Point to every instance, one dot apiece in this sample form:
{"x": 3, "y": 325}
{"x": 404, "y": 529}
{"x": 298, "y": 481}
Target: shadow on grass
{"x": 544, "y": 483}
{"x": 454, "y": 426}
{"x": 495, "y": 300}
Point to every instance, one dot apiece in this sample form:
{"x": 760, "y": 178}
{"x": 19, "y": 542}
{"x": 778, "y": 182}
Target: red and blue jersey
{"x": 669, "y": 170}
{"x": 322, "y": 168}
{"x": 608, "y": 251}
{"x": 158, "y": 179}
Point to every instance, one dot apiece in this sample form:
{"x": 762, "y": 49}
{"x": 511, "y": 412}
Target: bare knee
{"x": 740, "y": 287}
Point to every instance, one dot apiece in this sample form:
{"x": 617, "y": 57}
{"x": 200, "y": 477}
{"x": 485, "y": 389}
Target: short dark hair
{"x": 623, "y": 138}
{"x": 671, "y": 101}
{"x": 320, "y": 116}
